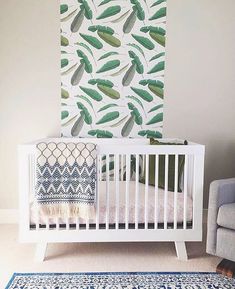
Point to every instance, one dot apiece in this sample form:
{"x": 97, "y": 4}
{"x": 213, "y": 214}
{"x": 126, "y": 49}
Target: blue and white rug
{"x": 148, "y": 280}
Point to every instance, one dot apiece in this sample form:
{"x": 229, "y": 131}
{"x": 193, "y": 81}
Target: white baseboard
{"x": 9, "y": 216}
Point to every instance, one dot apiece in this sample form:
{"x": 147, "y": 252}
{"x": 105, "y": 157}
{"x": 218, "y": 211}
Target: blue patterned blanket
{"x": 66, "y": 179}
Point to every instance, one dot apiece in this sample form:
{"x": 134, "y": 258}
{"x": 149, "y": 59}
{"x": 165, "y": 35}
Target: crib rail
{"x": 128, "y": 207}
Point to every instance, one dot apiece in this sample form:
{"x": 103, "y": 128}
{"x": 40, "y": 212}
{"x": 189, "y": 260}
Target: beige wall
{"x": 29, "y": 82}
{"x": 200, "y": 81}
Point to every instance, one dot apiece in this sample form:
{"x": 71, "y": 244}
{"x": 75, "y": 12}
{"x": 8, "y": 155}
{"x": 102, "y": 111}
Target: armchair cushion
{"x": 226, "y": 216}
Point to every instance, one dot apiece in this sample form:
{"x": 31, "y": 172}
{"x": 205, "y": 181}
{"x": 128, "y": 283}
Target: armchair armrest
{"x": 221, "y": 192}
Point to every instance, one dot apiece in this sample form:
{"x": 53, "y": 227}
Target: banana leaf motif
{"x": 112, "y": 69}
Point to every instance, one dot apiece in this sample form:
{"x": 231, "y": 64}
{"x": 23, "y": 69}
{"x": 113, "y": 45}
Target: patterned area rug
{"x": 120, "y": 280}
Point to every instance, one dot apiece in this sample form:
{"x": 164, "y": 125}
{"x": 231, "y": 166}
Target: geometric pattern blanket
{"x": 136, "y": 280}
{"x": 66, "y": 179}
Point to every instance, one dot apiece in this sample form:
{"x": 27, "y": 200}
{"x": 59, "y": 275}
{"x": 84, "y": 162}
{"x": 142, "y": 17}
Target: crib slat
{"x": 67, "y": 223}
{"x": 47, "y": 223}
{"x": 122, "y": 165}
{"x": 156, "y": 194}
{"x": 127, "y": 189}
{"x": 117, "y": 190}
{"x": 97, "y": 192}
{"x": 77, "y": 223}
{"x": 99, "y": 167}
{"x": 107, "y": 192}
{"x": 146, "y": 191}
{"x": 137, "y": 192}
{"x": 185, "y": 190}
{"x": 176, "y": 191}
{"x": 33, "y": 185}
{"x": 87, "y": 224}
{"x": 166, "y": 192}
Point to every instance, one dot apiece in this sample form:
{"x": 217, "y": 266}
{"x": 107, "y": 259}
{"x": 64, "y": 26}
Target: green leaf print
{"x": 139, "y": 9}
{"x": 110, "y": 11}
{"x": 77, "y": 21}
{"x": 135, "y": 112}
{"x": 85, "y": 99}
{"x": 119, "y": 71}
{"x": 64, "y": 62}
{"x": 158, "y": 30}
{"x": 128, "y": 126}
{"x": 64, "y": 93}
{"x": 66, "y": 72}
{"x": 156, "y": 90}
{"x": 107, "y": 106}
{"x": 110, "y": 39}
{"x": 112, "y": 93}
{"x": 130, "y": 22}
{"x": 145, "y": 95}
{"x": 135, "y": 99}
{"x": 101, "y": 28}
{"x": 119, "y": 19}
{"x": 156, "y": 119}
{"x": 158, "y": 38}
{"x": 85, "y": 6}
{"x": 119, "y": 122}
{"x": 100, "y": 133}
{"x": 100, "y": 81}
{"x": 111, "y": 53}
{"x": 64, "y": 41}
{"x": 129, "y": 75}
{"x": 87, "y": 116}
{"x": 92, "y": 93}
{"x": 77, "y": 76}
{"x": 157, "y": 83}
{"x": 69, "y": 16}
{"x": 159, "y": 14}
{"x": 104, "y": 2}
{"x": 78, "y": 125}
{"x": 64, "y": 114}
{"x": 110, "y": 116}
{"x": 137, "y": 62}
{"x": 157, "y": 56}
{"x": 156, "y": 86}
{"x": 158, "y": 67}
{"x": 63, "y": 8}
{"x": 85, "y": 60}
{"x": 144, "y": 41}
{"x": 137, "y": 47}
{"x": 157, "y": 3}
{"x": 86, "y": 47}
{"x": 109, "y": 66}
{"x": 92, "y": 40}
{"x": 112, "y": 68}
{"x": 150, "y": 133}
{"x": 156, "y": 107}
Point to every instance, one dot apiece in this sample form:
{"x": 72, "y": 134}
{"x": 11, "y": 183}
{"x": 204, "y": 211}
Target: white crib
{"x": 126, "y": 210}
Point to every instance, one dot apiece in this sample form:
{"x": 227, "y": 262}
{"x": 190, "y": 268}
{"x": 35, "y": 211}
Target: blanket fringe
{"x": 67, "y": 211}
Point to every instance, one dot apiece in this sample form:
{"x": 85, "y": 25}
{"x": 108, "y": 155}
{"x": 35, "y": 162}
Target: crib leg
{"x": 40, "y": 252}
{"x": 181, "y": 251}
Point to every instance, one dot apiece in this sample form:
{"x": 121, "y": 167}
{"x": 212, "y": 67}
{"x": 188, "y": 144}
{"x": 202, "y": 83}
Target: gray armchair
{"x": 221, "y": 219}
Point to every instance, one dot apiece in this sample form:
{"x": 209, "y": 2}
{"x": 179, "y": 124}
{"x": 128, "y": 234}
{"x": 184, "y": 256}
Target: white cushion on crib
{"x": 122, "y": 208}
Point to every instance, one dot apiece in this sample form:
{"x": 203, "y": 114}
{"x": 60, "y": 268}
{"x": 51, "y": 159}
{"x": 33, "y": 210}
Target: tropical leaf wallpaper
{"x": 112, "y": 67}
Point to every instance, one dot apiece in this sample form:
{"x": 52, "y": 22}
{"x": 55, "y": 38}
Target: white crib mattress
{"x": 122, "y": 206}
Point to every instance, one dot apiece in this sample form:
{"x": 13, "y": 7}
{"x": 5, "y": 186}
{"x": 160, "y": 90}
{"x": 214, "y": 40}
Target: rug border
{"x": 103, "y": 273}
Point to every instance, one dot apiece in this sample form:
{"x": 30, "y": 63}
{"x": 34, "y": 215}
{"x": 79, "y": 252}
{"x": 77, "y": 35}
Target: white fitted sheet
{"x": 122, "y": 207}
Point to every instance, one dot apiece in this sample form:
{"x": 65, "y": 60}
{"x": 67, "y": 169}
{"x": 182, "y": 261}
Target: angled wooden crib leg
{"x": 181, "y": 251}
{"x": 40, "y": 252}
